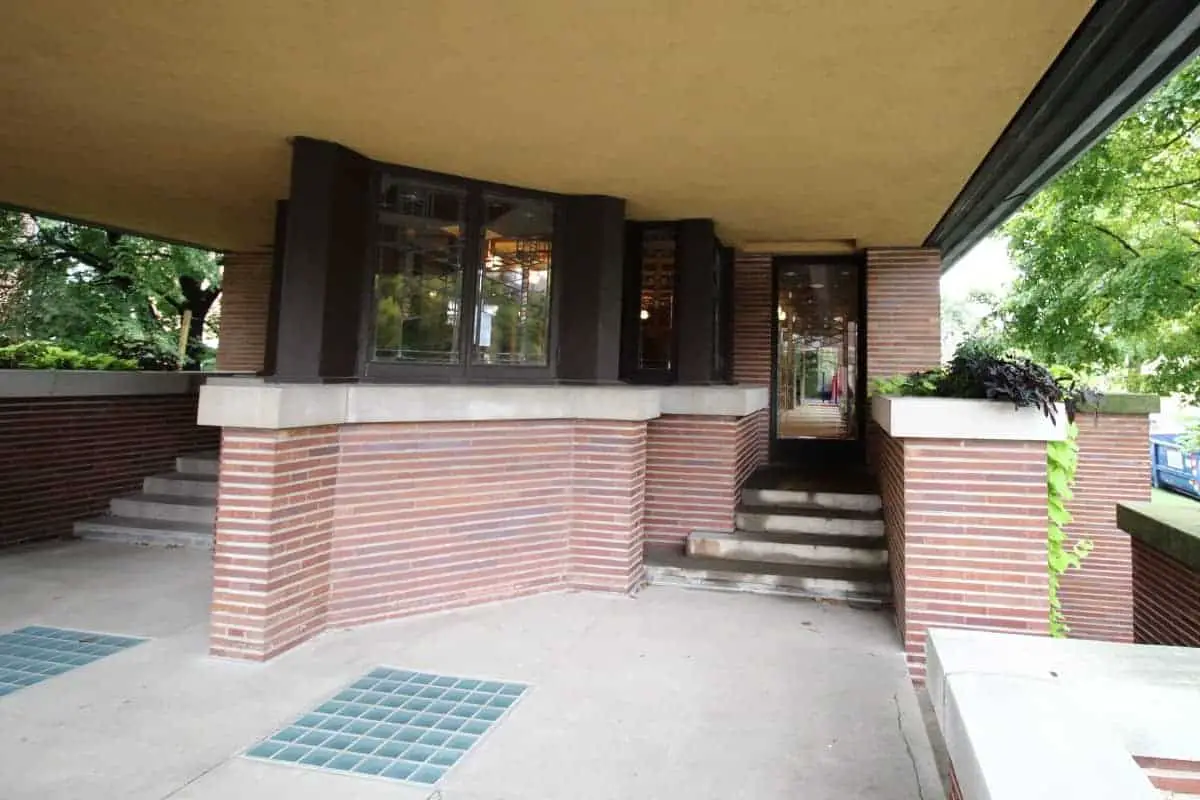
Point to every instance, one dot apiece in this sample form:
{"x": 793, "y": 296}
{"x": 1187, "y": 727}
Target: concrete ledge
{"x": 1174, "y": 532}
{"x": 951, "y": 418}
{"x": 722, "y": 401}
{"x": 240, "y": 403}
{"x": 34, "y": 383}
{"x": 1132, "y": 404}
{"x": 1029, "y": 717}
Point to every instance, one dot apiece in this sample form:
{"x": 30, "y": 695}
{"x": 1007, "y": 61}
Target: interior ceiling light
{"x": 816, "y": 286}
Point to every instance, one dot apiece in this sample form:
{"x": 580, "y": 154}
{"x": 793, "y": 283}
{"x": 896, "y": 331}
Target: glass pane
{"x": 657, "y": 311}
{"x": 512, "y": 316}
{"x": 817, "y": 365}
{"x": 418, "y": 273}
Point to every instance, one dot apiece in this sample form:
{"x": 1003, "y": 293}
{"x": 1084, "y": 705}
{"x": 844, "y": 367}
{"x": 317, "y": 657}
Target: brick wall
{"x": 65, "y": 458}
{"x": 1166, "y": 599}
{"x": 245, "y": 300}
{"x": 275, "y": 512}
{"x": 335, "y": 527}
{"x": 695, "y": 467}
{"x": 1114, "y": 467}
{"x": 888, "y": 456}
{"x": 903, "y": 311}
{"x": 752, "y": 324}
{"x": 974, "y": 537}
{"x": 955, "y": 791}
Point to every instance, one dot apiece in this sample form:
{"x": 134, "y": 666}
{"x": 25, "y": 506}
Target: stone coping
{"x": 1172, "y": 531}
{"x": 1033, "y": 718}
{"x": 55, "y": 383}
{"x": 250, "y": 403}
{"x": 1132, "y": 404}
{"x": 953, "y": 418}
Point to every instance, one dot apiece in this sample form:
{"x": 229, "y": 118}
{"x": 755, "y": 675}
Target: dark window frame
{"x": 466, "y": 370}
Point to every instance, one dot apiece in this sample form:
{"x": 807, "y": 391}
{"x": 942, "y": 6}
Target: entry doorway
{"x": 818, "y": 370}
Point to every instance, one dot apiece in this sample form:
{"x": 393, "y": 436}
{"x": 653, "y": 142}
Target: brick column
{"x": 752, "y": 326}
{"x": 607, "y": 506}
{"x": 1114, "y": 467}
{"x": 275, "y": 511}
{"x": 903, "y": 311}
{"x": 971, "y": 536}
{"x": 245, "y": 303}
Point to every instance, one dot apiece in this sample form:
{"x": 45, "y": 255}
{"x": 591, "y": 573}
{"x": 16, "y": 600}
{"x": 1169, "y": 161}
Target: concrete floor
{"x": 670, "y": 694}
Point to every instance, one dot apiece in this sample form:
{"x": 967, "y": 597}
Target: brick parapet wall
{"x": 1166, "y": 599}
{"x": 695, "y": 468}
{"x": 903, "y": 311}
{"x": 889, "y": 461}
{"x": 1114, "y": 467}
{"x": 972, "y": 536}
{"x": 65, "y": 458}
{"x": 345, "y": 525}
{"x": 245, "y": 303}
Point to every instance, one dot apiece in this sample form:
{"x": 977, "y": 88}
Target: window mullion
{"x": 472, "y": 258}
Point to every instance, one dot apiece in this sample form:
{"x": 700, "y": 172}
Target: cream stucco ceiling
{"x": 781, "y": 119}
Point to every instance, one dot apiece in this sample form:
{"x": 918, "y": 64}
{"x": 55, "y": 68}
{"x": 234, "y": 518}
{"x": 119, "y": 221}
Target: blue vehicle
{"x": 1171, "y": 467}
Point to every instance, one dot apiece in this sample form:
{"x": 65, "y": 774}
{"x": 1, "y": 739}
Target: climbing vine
{"x": 1061, "y": 461}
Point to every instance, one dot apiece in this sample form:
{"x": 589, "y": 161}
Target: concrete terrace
{"x": 670, "y": 694}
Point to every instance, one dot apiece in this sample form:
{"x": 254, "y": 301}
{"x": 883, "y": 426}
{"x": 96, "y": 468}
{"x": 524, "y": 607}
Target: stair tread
{"x": 144, "y": 524}
{"x": 171, "y": 499}
{"x": 202, "y": 477}
{"x": 808, "y": 510}
{"x": 670, "y": 556}
{"x": 874, "y": 542}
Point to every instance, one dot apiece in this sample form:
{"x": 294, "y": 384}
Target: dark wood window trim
{"x": 465, "y": 370}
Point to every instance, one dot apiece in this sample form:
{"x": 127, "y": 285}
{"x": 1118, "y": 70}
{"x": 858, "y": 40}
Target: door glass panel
{"x": 817, "y": 352}
{"x": 657, "y": 313}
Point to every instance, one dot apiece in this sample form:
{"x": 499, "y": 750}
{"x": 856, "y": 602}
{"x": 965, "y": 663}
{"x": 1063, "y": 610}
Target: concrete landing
{"x": 670, "y": 694}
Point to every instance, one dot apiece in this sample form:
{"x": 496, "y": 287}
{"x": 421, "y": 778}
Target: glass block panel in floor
{"x": 33, "y": 654}
{"x": 394, "y": 723}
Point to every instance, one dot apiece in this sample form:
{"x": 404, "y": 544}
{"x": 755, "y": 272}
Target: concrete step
{"x": 808, "y": 519}
{"x": 668, "y": 566}
{"x": 183, "y": 484}
{"x": 198, "y": 463}
{"x": 831, "y": 550}
{"x": 846, "y": 501}
{"x": 176, "y": 507}
{"x": 147, "y": 532}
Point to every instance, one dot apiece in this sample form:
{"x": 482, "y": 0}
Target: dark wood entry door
{"x": 818, "y": 365}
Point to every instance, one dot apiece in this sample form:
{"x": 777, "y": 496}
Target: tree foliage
{"x": 1109, "y": 252}
{"x": 104, "y": 292}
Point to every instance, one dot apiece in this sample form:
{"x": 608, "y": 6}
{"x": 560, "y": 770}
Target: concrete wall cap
{"x": 54, "y": 383}
{"x": 725, "y": 401}
{"x": 1172, "y": 531}
{"x": 953, "y": 418}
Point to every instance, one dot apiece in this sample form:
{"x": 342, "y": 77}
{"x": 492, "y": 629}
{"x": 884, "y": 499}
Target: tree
{"x": 103, "y": 291}
{"x": 1109, "y": 252}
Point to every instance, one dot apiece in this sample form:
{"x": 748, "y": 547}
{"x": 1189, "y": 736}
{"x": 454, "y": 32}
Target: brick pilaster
{"x": 903, "y": 311}
{"x": 245, "y": 300}
{"x": 608, "y": 505}
{"x": 274, "y": 530}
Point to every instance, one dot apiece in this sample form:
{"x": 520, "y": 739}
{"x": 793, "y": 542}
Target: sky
{"x": 985, "y": 267}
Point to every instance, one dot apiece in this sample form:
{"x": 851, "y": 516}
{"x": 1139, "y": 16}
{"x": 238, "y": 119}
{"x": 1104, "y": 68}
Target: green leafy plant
{"x": 48, "y": 355}
{"x": 1062, "y": 459}
{"x": 1189, "y": 440}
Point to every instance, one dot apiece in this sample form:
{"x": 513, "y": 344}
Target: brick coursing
{"x": 971, "y": 537}
{"x": 695, "y": 469}
{"x": 889, "y": 458}
{"x": 331, "y": 527}
{"x": 903, "y": 311}
{"x": 65, "y": 458}
{"x": 1166, "y": 599}
{"x": 752, "y": 325}
{"x": 245, "y": 300}
{"x": 1114, "y": 467}
{"x": 955, "y": 791}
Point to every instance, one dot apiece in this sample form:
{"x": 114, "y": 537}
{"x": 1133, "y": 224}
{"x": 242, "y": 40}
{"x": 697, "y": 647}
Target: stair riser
{"x": 833, "y": 500}
{"x": 196, "y": 465}
{"x": 787, "y": 553}
{"x": 182, "y": 488}
{"x": 189, "y": 541}
{"x": 138, "y": 509}
{"x": 788, "y": 523}
{"x": 817, "y": 588}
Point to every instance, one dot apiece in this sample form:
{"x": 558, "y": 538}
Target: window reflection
{"x": 657, "y": 311}
{"x": 512, "y": 310}
{"x": 418, "y": 276}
